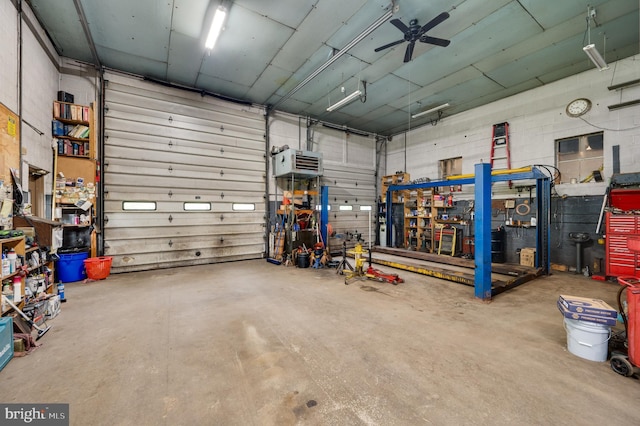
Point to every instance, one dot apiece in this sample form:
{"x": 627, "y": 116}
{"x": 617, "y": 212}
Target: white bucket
{"x": 587, "y": 340}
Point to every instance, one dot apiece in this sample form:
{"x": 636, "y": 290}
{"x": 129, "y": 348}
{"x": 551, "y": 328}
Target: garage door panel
{"x": 211, "y": 157}
{"x": 160, "y": 143}
{"x": 181, "y": 171}
{"x": 176, "y": 219}
{"x": 188, "y": 104}
{"x": 173, "y": 182}
{"x": 181, "y": 246}
{"x": 117, "y": 194}
{"x": 190, "y": 118}
{"x": 133, "y": 267}
{"x": 156, "y": 260}
{"x": 228, "y": 138}
{"x": 171, "y": 147}
{"x": 175, "y": 127}
{"x": 209, "y": 231}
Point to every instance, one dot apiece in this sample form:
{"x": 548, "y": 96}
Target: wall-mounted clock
{"x": 578, "y": 107}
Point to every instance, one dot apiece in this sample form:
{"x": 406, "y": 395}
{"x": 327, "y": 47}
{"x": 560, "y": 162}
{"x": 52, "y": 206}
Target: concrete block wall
{"x": 8, "y": 55}
{"x": 44, "y": 72}
{"x": 536, "y": 119}
{"x": 40, "y": 66}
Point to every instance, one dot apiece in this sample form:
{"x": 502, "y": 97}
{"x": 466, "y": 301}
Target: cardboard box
{"x": 588, "y": 306}
{"x": 528, "y": 257}
{"x": 585, "y": 317}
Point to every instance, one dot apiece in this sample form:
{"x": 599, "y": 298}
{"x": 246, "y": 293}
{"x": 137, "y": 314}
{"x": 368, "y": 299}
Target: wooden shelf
{"x": 18, "y": 245}
{"x": 72, "y": 138}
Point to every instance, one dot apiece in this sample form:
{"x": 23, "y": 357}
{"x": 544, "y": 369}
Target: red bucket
{"x": 98, "y": 268}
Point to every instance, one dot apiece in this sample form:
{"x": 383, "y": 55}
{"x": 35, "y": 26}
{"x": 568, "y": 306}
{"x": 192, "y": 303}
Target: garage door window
{"x": 578, "y": 157}
{"x": 198, "y": 207}
{"x": 139, "y": 205}
{"x": 240, "y": 207}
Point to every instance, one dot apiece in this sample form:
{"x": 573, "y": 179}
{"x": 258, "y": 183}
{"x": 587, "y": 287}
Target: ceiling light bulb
{"x": 216, "y": 27}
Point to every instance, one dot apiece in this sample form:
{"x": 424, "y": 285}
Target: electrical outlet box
{"x": 509, "y": 204}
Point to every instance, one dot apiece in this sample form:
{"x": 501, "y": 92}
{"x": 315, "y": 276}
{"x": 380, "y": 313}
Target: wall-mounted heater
{"x": 293, "y": 161}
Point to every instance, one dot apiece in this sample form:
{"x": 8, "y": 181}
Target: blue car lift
{"x": 483, "y": 179}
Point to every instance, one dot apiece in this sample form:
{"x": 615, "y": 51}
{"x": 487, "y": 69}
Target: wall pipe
{"x": 267, "y": 155}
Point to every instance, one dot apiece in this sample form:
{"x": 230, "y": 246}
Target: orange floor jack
{"x": 359, "y": 272}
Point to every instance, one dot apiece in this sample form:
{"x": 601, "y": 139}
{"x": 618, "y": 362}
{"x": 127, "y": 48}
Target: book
{"x": 57, "y": 128}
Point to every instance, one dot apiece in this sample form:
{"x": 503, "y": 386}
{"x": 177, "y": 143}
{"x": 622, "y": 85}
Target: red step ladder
{"x": 500, "y": 148}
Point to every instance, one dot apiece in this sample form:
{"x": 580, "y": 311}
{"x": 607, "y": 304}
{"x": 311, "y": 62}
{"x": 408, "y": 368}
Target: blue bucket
{"x": 70, "y": 267}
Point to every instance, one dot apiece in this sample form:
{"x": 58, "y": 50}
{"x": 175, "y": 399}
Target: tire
{"x": 621, "y": 365}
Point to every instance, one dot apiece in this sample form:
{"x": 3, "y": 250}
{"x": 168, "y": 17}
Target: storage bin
{"x": 70, "y": 267}
{"x": 6, "y": 341}
{"x": 98, "y": 268}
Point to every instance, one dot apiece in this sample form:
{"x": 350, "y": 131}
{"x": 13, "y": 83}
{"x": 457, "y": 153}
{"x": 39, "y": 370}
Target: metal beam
{"x": 483, "y": 231}
{"x": 324, "y": 214}
{"x": 87, "y": 33}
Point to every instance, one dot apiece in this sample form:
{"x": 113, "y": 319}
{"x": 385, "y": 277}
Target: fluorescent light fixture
{"x": 438, "y": 108}
{"x": 365, "y": 208}
{"x": 345, "y": 101}
{"x": 595, "y": 57}
{"x": 216, "y": 27}
{"x": 346, "y": 208}
{"x": 319, "y": 207}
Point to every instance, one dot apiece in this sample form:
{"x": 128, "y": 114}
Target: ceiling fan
{"x": 414, "y": 33}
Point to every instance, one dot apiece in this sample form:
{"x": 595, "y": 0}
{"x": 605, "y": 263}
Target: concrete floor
{"x": 251, "y": 343}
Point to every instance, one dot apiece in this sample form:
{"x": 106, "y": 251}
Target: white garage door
{"x": 184, "y": 177}
{"x": 349, "y": 172}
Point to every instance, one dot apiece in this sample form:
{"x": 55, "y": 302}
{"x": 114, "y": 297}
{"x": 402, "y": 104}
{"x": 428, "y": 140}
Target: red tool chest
{"x": 621, "y": 260}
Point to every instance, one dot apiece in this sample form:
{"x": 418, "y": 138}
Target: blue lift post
{"x": 543, "y": 194}
{"x": 483, "y": 231}
{"x": 324, "y": 214}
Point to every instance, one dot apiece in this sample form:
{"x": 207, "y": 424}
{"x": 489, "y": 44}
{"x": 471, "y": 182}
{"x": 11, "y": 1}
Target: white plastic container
{"x": 588, "y": 340}
{"x": 17, "y": 289}
{"x": 6, "y": 266}
{"x": 13, "y": 257}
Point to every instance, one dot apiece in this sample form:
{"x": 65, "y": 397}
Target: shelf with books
{"x": 71, "y": 113}
{"x": 73, "y": 147}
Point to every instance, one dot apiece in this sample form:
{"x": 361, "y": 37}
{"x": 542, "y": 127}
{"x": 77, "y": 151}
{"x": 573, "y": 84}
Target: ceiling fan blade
{"x": 435, "y": 40}
{"x": 386, "y": 46}
{"x": 435, "y": 21}
{"x": 409, "y": 52}
{"x": 400, "y": 25}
